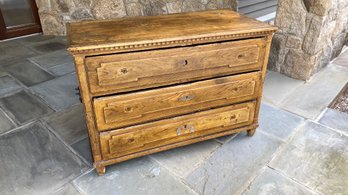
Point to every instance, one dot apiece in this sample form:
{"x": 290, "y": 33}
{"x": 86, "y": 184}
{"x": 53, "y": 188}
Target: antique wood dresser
{"x": 154, "y": 83}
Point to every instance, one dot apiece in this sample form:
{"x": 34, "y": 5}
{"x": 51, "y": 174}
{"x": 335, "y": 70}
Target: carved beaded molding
{"x": 169, "y": 43}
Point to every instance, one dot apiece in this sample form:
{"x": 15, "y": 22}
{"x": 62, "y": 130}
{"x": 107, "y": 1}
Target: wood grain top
{"x": 100, "y": 36}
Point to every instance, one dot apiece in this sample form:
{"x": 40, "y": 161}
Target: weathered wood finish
{"x": 149, "y": 84}
{"x": 125, "y": 72}
{"x": 133, "y": 139}
{"x": 122, "y": 110}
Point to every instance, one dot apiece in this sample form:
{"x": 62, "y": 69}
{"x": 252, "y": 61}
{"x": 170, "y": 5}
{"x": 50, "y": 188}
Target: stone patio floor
{"x": 301, "y": 146}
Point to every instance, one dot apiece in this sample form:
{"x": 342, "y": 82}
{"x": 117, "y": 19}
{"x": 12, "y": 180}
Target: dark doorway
{"x": 18, "y": 18}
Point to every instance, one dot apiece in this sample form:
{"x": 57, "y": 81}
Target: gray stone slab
{"x": 316, "y": 157}
{"x": 182, "y": 161}
{"x": 277, "y": 86}
{"x": 5, "y": 123}
{"x": 335, "y": 119}
{"x": 8, "y": 85}
{"x": 43, "y": 43}
{"x": 311, "y": 98}
{"x": 68, "y": 189}
{"x": 278, "y": 122}
{"x": 342, "y": 59}
{"x": 138, "y": 176}
{"x": 62, "y": 69}
{"x": 52, "y": 59}
{"x": 232, "y": 165}
{"x": 59, "y": 93}
{"x": 34, "y": 161}
{"x": 13, "y": 51}
{"x": 270, "y": 182}
{"x": 226, "y": 138}
{"x": 84, "y": 149}
{"x": 28, "y": 73}
{"x": 70, "y": 124}
{"x": 24, "y": 107}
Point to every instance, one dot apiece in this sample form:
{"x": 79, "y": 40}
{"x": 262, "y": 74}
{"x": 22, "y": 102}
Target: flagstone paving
{"x": 300, "y": 146}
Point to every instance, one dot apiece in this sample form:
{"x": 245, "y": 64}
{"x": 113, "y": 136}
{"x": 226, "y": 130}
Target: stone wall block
{"x": 293, "y": 42}
{"x": 311, "y": 44}
{"x": 291, "y": 17}
{"x": 81, "y": 14}
{"x": 175, "y": 6}
{"x": 104, "y": 9}
{"x": 193, "y": 5}
{"x": 52, "y": 24}
{"x": 298, "y": 64}
{"x": 318, "y": 7}
{"x": 62, "y": 6}
{"x": 154, "y": 7}
{"x": 277, "y": 53}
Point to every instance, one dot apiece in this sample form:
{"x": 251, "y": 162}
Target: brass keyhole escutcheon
{"x": 185, "y": 98}
{"x": 184, "y": 128}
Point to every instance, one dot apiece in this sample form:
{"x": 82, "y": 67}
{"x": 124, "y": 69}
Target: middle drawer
{"x": 130, "y": 109}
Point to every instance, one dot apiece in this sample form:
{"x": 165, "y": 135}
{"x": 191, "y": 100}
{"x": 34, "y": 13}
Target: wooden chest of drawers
{"x": 154, "y": 83}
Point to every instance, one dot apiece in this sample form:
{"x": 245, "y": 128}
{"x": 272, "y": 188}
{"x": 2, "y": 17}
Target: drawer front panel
{"x": 134, "y": 139}
{"x": 123, "y": 110}
{"x": 132, "y": 71}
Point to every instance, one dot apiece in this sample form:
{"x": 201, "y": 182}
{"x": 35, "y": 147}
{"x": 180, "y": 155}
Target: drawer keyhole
{"x": 184, "y": 63}
{"x": 241, "y": 56}
{"x": 124, "y": 70}
{"x": 128, "y": 109}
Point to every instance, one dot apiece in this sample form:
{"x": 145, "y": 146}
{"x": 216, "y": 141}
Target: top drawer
{"x": 131, "y": 71}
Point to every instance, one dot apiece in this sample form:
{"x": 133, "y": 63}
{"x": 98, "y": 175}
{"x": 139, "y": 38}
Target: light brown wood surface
{"x": 150, "y": 84}
{"x": 135, "y": 108}
{"x": 126, "y": 72}
{"x": 138, "y": 138}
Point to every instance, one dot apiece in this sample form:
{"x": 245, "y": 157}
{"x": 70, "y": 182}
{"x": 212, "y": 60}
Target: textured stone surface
{"x": 335, "y": 119}
{"x": 67, "y": 189}
{"x": 277, "y": 86}
{"x": 84, "y": 149}
{"x": 278, "y": 122}
{"x": 62, "y": 69}
{"x": 138, "y": 176}
{"x": 52, "y": 59}
{"x": 12, "y": 51}
{"x": 233, "y": 164}
{"x": 24, "y": 107}
{"x": 298, "y": 64}
{"x": 311, "y": 98}
{"x": 103, "y": 9}
{"x": 188, "y": 157}
{"x": 28, "y": 73}
{"x": 8, "y": 85}
{"x": 271, "y": 182}
{"x": 35, "y": 162}
{"x": 69, "y": 124}
{"x": 321, "y": 159}
{"x": 311, "y": 33}
{"x": 318, "y": 7}
{"x": 59, "y": 93}
{"x": 5, "y": 123}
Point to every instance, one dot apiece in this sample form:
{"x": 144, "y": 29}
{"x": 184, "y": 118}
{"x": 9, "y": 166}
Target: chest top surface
{"x": 162, "y": 30}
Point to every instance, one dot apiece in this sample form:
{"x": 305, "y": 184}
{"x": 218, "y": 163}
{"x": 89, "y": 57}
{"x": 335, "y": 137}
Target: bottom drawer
{"x": 124, "y": 141}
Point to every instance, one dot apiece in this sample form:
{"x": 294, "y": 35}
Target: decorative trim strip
{"x": 168, "y": 43}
